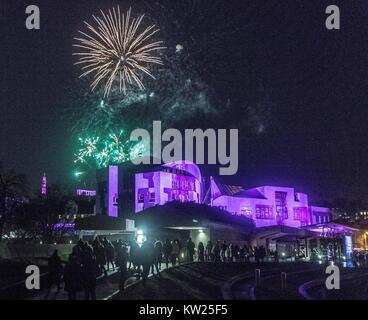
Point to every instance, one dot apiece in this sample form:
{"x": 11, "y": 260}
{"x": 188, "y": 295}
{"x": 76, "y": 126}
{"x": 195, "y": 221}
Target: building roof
{"x": 238, "y": 191}
{"x": 174, "y": 214}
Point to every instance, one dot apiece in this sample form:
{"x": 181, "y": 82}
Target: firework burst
{"x": 118, "y": 49}
{"x": 113, "y": 149}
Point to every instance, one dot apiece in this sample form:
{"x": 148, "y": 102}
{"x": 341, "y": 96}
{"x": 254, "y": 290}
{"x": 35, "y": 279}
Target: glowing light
{"x": 118, "y": 49}
{"x": 200, "y": 231}
{"x": 140, "y": 237}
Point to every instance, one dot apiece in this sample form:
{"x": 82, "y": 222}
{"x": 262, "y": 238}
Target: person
{"x": 134, "y": 253}
{"x": 241, "y": 254}
{"x": 167, "y": 249}
{"x": 223, "y": 251}
{"x": 100, "y": 257}
{"x": 235, "y": 253}
{"x": 72, "y": 277}
{"x": 147, "y": 258}
{"x": 110, "y": 255}
{"x": 276, "y": 256}
{"x": 190, "y": 250}
{"x": 262, "y": 253}
{"x": 55, "y": 269}
{"x": 121, "y": 263}
{"x": 208, "y": 253}
{"x": 256, "y": 254}
{"x": 158, "y": 254}
{"x": 216, "y": 252}
{"x": 228, "y": 253}
{"x": 89, "y": 268}
{"x": 200, "y": 252}
{"x": 175, "y": 252}
{"x": 179, "y": 251}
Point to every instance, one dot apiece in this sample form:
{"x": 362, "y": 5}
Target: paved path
{"x": 106, "y": 288}
{"x": 195, "y": 281}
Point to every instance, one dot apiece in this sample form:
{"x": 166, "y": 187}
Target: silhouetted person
{"x": 200, "y": 252}
{"x": 167, "y": 249}
{"x": 110, "y": 255}
{"x": 262, "y": 253}
{"x": 121, "y": 262}
{"x": 72, "y": 277}
{"x": 208, "y": 252}
{"x": 256, "y": 254}
{"x": 216, "y": 252}
{"x": 223, "y": 251}
{"x": 55, "y": 269}
{"x": 242, "y": 254}
{"x": 180, "y": 250}
{"x": 99, "y": 252}
{"x": 158, "y": 254}
{"x": 134, "y": 255}
{"x": 154, "y": 258}
{"x": 147, "y": 258}
{"x": 175, "y": 252}
{"x": 89, "y": 273}
{"x": 190, "y": 250}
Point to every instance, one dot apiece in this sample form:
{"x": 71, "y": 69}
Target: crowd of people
{"x": 229, "y": 252}
{"x": 92, "y": 259}
{"x": 360, "y": 258}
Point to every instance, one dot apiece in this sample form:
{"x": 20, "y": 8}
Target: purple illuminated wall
{"x": 113, "y": 191}
{"x": 265, "y": 206}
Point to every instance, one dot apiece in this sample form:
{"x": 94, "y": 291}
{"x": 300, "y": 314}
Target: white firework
{"x": 118, "y": 49}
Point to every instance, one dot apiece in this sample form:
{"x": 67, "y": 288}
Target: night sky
{"x": 313, "y": 134}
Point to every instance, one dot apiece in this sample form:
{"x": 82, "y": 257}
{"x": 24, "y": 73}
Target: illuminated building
{"x": 283, "y": 218}
{"x": 266, "y": 205}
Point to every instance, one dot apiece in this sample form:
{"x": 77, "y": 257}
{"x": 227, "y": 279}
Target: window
{"x": 140, "y": 197}
{"x": 246, "y": 212}
{"x": 152, "y": 197}
{"x": 264, "y": 212}
{"x": 281, "y": 208}
{"x": 301, "y": 214}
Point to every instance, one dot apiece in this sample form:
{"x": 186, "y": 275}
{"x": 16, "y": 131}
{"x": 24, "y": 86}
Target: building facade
{"x": 131, "y": 189}
{"x": 268, "y": 205}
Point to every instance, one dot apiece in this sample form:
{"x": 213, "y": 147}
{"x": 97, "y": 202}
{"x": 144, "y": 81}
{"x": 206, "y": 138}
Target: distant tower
{"x": 44, "y": 185}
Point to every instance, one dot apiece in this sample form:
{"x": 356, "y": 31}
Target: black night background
{"x": 298, "y": 89}
{"x": 76, "y": 205}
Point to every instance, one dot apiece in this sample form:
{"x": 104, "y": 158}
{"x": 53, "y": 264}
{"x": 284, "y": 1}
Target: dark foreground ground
{"x": 216, "y": 281}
